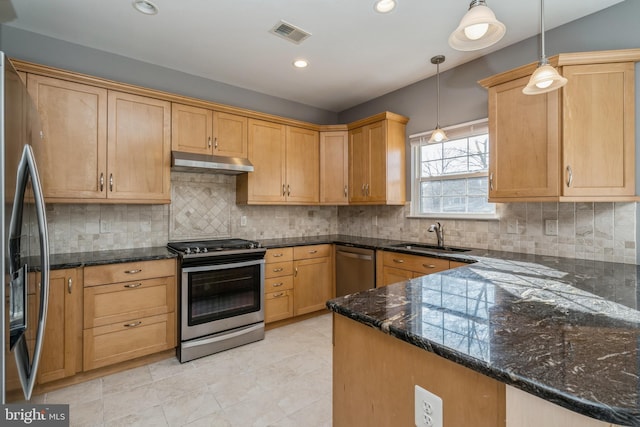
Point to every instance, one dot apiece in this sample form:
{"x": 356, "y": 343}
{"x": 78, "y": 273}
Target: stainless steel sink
{"x": 431, "y": 248}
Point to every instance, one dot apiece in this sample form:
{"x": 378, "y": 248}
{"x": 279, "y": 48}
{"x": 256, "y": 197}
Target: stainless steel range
{"x": 221, "y": 295}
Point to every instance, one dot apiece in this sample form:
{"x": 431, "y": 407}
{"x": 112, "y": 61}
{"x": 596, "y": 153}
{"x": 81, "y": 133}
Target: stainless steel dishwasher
{"x": 355, "y": 269}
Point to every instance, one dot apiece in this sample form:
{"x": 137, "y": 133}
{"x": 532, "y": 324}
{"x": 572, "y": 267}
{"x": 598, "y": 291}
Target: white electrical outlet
{"x": 428, "y": 408}
{"x": 551, "y": 227}
{"x": 512, "y": 226}
{"x": 243, "y": 221}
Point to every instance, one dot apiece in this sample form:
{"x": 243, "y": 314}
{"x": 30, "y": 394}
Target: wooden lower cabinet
{"x": 131, "y": 318}
{"x": 396, "y": 267}
{"x": 311, "y": 284}
{"x": 278, "y": 285}
{"x": 278, "y": 305}
{"x": 62, "y": 345}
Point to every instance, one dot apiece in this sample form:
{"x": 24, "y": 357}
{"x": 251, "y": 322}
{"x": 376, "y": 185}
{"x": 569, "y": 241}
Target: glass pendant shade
{"x": 478, "y": 28}
{"x": 438, "y": 135}
{"x": 544, "y": 79}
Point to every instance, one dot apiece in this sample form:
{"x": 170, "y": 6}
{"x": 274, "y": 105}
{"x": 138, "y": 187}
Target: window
{"x": 450, "y": 178}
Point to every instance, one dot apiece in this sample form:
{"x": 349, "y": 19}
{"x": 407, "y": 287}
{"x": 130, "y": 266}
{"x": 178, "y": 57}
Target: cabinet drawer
{"x": 278, "y": 269}
{"x": 278, "y": 255}
{"x": 419, "y": 264}
{"x": 315, "y": 251}
{"x": 278, "y": 305}
{"x": 277, "y": 284}
{"x": 128, "y": 271}
{"x": 118, "y": 342}
{"x": 121, "y": 302}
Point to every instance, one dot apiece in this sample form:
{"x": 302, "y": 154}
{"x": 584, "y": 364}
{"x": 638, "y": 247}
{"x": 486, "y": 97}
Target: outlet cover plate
{"x": 428, "y": 408}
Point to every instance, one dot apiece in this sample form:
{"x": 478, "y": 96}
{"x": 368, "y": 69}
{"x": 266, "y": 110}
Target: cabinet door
{"x": 394, "y": 275}
{"x": 61, "y": 354}
{"x": 598, "y": 130}
{"x": 334, "y": 168}
{"x": 376, "y": 134}
{"x": 278, "y": 306}
{"x": 358, "y": 165}
{"x": 74, "y": 121}
{"x": 191, "y": 129}
{"x": 524, "y": 136}
{"x": 139, "y": 148}
{"x": 229, "y": 135}
{"x": 312, "y": 284}
{"x": 302, "y": 165}
{"x": 266, "y": 184}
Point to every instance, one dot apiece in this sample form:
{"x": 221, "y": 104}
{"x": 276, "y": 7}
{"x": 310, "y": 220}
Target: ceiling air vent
{"x": 289, "y": 32}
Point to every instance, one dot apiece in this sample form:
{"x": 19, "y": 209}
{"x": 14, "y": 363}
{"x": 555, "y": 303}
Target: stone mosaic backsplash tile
{"x": 203, "y": 206}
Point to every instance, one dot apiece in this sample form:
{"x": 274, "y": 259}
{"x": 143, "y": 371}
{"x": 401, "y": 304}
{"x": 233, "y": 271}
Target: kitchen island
{"x": 493, "y": 339}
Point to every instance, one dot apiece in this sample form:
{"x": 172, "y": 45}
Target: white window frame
{"x": 464, "y": 130}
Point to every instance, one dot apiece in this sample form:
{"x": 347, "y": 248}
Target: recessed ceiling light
{"x": 145, "y": 6}
{"x": 301, "y": 63}
{"x": 384, "y": 6}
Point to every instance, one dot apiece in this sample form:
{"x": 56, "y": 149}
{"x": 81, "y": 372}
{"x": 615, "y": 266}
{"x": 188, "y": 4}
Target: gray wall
{"x": 463, "y": 100}
{"x": 44, "y": 50}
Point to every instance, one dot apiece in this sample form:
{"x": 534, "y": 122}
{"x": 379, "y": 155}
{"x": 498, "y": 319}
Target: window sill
{"x": 482, "y": 217}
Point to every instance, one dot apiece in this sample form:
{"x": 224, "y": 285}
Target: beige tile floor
{"x": 284, "y": 380}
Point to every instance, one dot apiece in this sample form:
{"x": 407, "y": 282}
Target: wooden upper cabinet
{"x": 203, "y": 131}
{"x": 377, "y": 162}
{"x": 574, "y": 144}
{"x": 191, "y": 129}
{"x": 139, "y": 148}
{"x": 525, "y": 133}
{"x": 286, "y": 165}
{"x": 302, "y": 160}
{"x": 599, "y": 144}
{"x": 334, "y": 167}
{"x": 74, "y": 121}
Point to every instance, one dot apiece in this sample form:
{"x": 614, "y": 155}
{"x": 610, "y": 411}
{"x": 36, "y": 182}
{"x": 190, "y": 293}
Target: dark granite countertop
{"x": 565, "y": 330}
{"x": 85, "y": 259}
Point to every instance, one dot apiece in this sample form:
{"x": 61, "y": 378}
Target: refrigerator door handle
{"x": 27, "y": 168}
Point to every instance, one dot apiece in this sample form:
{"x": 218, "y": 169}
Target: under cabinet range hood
{"x": 205, "y": 163}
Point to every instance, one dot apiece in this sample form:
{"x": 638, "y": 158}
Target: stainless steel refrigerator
{"x": 25, "y": 244}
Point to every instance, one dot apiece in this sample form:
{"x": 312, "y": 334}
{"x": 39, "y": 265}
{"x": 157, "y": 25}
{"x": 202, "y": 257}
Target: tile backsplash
{"x": 203, "y": 206}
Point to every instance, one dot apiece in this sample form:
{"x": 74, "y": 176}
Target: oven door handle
{"x": 222, "y": 336}
{"x": 214, "y": 266}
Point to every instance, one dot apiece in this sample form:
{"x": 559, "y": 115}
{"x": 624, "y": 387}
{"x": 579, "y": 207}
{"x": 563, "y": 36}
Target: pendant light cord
{"x": 438, "y": 105}
{"x": 543, "y": 55}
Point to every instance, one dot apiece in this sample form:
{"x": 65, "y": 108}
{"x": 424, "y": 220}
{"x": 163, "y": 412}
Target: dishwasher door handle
{"x": 356, "y": 256}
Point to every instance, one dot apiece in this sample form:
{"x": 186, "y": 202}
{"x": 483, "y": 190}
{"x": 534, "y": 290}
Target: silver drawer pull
{"x": 132, "y": 325}
{"x": 313, "y": 252}
{"x": 278, "y": 255}
{"x": 276, "y": 285}
{"x": 278, "y": 295}
{"x": 133, "y": 285}
{"x": 277, "y": 270}
{"x": 133, "y": 271}
{"x": 428, "y": 266}
{"x": 69, "y": 285}
{"x": 399, "y": 261}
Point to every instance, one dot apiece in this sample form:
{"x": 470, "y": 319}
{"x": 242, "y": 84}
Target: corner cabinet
{"x": 118, "y": 144}
{"x": 574, "y": 144}
{"x": 377, "y": 160}
{"x": 286, "y": 165}
{"x": 203, "y": 131}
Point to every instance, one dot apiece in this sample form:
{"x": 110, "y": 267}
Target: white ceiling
{"x": 355, "y": 53}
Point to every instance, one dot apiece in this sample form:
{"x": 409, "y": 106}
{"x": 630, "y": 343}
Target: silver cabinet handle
{"x": 288, "y": 190}
{"x": 366, "y": 190}
{"x": 69, "y": 284}
{"x": 278, "y": 255}
{"x": 428, "y": 266}
{"x": 399, "y": 261}
{"x": 133, "y": 285}
{"x": 101, "y": 181}
{"x": 295, "y": 274}
{"x": 491, "y": 181}
{"x": 215, "y": 140}
{"x": 362, "y": 190}
{"x": 277, "y": 285}
{"x": 345, "y": 191}
{"x": 278, "y": 270}
{"x": 569, "y": 176}
{"x": 111, "y": 182}
{"x": 313, "y": 251}
{"x": 278, "y": 295}
{"x": 133, "y": 271}
{"x": 284, "y": 191}
{"x": 132, "y": 325}
{"x": 209, "y": 142}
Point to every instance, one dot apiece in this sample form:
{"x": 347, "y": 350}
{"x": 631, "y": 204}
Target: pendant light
{"x": 478, "y": 28}
{"x": 545, "y": 78}
{"x": 438, "y": 134}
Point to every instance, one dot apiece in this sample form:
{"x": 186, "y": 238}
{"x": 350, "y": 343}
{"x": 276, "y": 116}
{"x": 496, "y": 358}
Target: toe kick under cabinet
{"x": 129, "y": 311}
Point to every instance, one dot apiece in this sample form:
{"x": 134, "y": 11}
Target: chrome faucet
{"x": 439, "y": 230}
